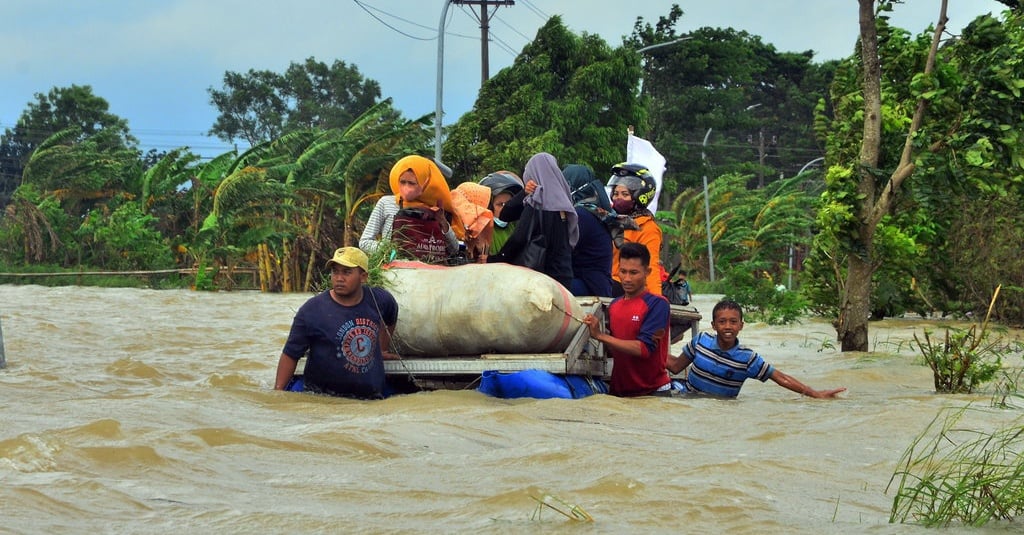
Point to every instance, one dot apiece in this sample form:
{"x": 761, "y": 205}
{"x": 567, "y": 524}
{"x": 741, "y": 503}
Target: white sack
{"x": 480, "y": 308}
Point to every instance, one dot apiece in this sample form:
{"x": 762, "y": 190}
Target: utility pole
{"x": 762, "y": 152}
{"x": 485, "y": 25}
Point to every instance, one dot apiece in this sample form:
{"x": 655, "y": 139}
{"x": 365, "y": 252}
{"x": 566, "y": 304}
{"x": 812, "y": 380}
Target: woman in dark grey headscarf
{"x": 551, "y": 211}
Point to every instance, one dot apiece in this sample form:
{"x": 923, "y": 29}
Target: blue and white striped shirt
{"x": 721, "y": 372}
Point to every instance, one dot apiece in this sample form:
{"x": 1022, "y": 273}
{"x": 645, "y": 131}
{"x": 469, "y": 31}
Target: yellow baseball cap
{"x": 350, "y": 257}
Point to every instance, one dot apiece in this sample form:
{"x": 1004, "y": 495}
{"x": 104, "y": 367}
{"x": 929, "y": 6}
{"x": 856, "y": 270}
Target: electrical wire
{"x": 366, "y": 7}
{"x": 380, "y": 20}
{"x": 535, "y": 9}
{"x": 505, "y": 46}
{"x": 513, "y": 28}
{"x": 502, "y": 44}
{"x": 392, "y": 15}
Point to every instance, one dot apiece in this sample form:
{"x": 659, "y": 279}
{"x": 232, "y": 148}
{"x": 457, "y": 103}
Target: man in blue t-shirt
{"x": 718, "y": 365}
{"x": 345, "y": 331}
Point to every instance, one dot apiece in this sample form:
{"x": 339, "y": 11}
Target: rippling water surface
{"x": 139, "y": 411}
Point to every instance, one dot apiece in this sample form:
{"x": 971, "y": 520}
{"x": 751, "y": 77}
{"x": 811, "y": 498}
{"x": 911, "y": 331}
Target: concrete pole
{"x": 707, "y": 206}
{"x": 3, "y": 359}
{"x": 791, "y": 252}
{"x": 438, "y": 104}
{"x": 485, "y": 57}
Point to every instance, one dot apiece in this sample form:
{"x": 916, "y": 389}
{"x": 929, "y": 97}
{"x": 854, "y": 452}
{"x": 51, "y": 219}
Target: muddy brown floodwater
{"x": 144, "y": 411}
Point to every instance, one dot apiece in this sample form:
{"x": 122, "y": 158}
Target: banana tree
{"x": 277, "y": 202}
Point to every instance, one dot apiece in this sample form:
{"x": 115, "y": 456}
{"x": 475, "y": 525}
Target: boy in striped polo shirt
{"x": 718, "y": 364}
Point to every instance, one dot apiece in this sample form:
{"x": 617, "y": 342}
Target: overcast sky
{"x": 153, "y": 60}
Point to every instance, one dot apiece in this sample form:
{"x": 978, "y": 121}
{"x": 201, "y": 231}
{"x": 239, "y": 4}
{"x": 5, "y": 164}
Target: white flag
{"x": 641, "y": 151}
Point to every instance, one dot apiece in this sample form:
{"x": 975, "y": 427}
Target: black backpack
{"x": 674, "y": 291}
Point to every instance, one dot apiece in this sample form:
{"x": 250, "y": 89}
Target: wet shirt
{"x": 720, "y": 372}
{"x": 343, "y": 343}
{"x": 644, "y": 318}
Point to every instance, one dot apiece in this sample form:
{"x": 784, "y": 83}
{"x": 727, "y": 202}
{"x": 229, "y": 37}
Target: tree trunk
{"x": 856, "y": 306}
{"x": 874, "y": 203}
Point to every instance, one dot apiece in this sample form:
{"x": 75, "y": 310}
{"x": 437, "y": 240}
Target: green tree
{"x": 754, "y": 104}
{"x": 567, "y": 94}
{"x": 81, "y": 170}
{"x": 63, "y": 107}
{"x": 897, "y": 183}
{"x": 69, "y": 178}
{"x": 260, "y": 106}
{"x": 975, "y": 172}
{"x": 755, "y": 227}
{"x": 286, "y": 203}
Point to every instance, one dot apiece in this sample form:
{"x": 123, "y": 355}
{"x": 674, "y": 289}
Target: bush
{"x": 966, "y": 358}
{"x": 761, "y": 298}
{"x": 127, "y": 240}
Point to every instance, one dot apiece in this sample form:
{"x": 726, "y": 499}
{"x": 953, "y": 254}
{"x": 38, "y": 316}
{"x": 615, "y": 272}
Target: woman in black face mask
{"x": 506, "y": 204}
{"x": 632, "y": 188}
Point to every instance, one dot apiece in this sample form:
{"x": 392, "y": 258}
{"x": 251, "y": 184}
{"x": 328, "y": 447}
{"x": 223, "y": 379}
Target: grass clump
{"x": 951, "y": 475}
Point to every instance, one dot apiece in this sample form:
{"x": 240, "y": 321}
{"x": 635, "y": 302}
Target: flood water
{"x": 144, "y": 411}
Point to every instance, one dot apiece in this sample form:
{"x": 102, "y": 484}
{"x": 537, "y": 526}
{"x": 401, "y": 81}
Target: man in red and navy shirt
{"x": 638, "y": 322}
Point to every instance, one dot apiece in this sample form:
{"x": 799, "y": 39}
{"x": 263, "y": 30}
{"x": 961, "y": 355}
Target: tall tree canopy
{"x": 260, "y": 106}
{"x": 901, "y": 181}
{"x": 567, "y": 94}
{"x": 62, "y": 108}
{"x": 757, "y": 102}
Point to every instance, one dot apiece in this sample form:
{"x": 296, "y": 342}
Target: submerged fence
{"x": 78, "y": 275}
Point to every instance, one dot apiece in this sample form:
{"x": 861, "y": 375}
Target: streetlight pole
{"x": 652, "y": 47}
{"x": 707, "y": 206}
{"x": 707, "y": 201}
{"x": 808, "y": 164}
{"x": 666, "y": 43}
{"x": 438, "y": 112}
{"x": 789, "y": 280}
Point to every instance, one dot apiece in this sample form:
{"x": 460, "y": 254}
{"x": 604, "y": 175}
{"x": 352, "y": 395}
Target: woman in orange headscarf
{"x": 470, "y": 201}
{"x": 424, "y": 225}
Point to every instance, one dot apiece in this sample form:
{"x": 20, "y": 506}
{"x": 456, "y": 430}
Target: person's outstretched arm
{"x": 790, "y": 382}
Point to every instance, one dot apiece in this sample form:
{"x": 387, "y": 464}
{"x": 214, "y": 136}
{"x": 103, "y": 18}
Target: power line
{"x": 507, "y": 47}
{"x": 366, "y": 7}
{"x": 392, "y": 15}
{"x": 544, "y": 16}
{"x": 501, "y": 43}
{"x": 380, "y": 20}
{"x": 513, "y": 28}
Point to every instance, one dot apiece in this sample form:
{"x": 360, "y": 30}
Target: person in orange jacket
{"x": 632, "y": 188}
